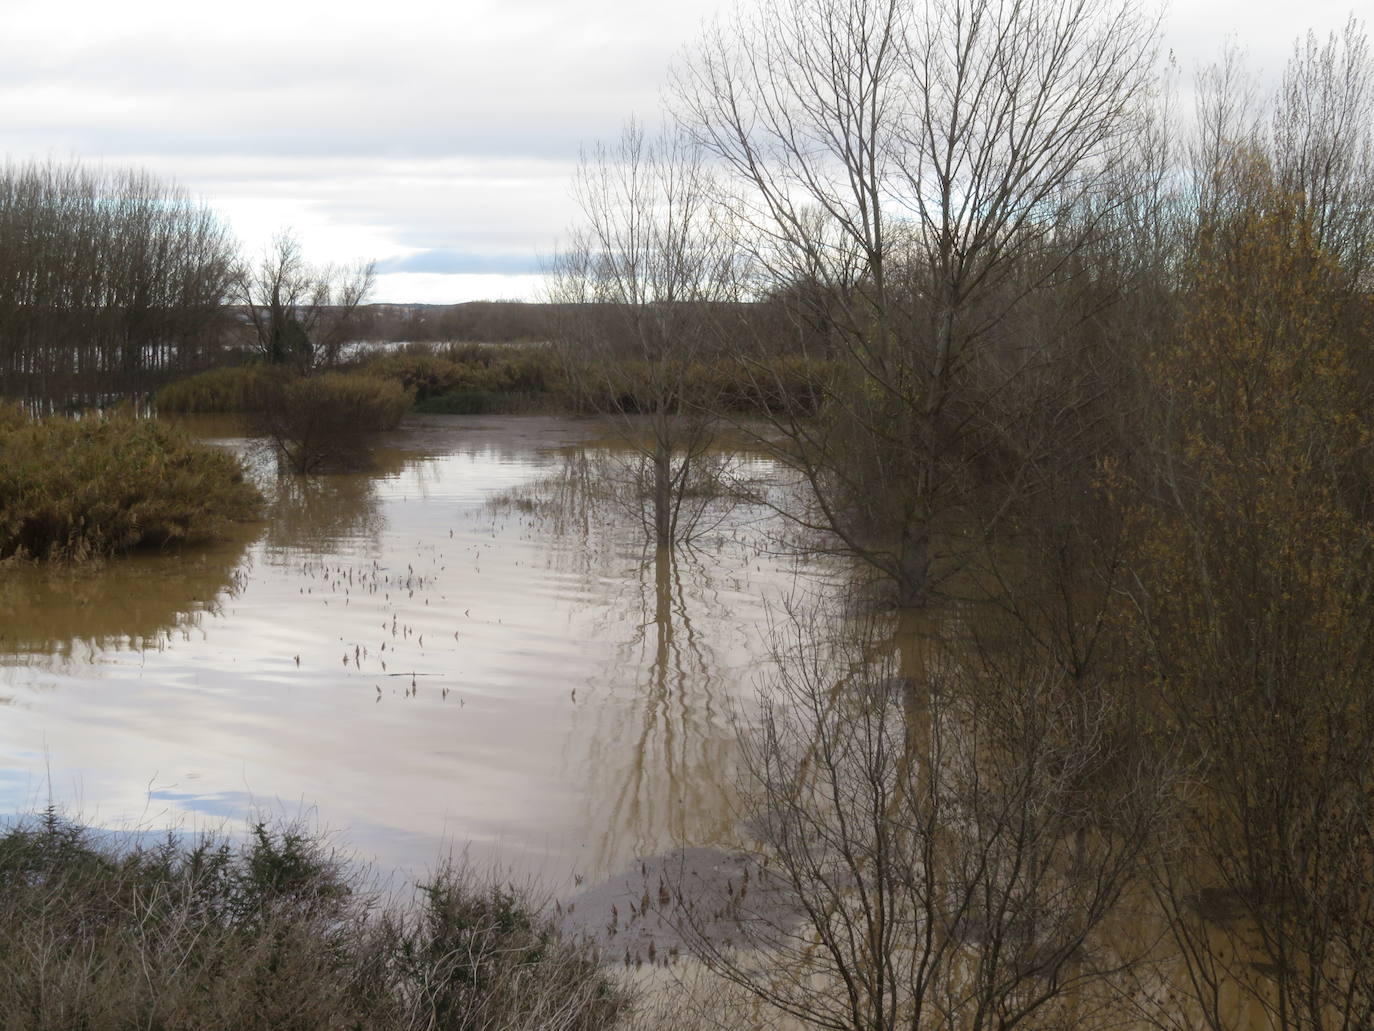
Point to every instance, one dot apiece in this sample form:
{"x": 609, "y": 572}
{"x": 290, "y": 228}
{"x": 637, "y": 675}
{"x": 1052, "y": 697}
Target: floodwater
{"x": 456, "y": 651}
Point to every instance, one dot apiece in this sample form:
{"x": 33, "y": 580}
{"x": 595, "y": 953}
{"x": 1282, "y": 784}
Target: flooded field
{"x": 450, "y": 652}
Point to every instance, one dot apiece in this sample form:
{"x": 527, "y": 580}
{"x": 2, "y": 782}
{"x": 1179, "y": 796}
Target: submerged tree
{"x": 1254, "y": 575}
{"x": 300, "y": 314}
{"x": 636, "y": 289}
{"x": 942, "y": 853}
{"x": 914, "y": 177}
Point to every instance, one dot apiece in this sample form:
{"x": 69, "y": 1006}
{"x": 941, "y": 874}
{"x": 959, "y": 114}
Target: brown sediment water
{"x": 464, "y": 648}
{"x": 453, "y": 650}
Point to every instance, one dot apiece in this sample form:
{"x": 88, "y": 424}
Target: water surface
{"x": 455, "y": 650}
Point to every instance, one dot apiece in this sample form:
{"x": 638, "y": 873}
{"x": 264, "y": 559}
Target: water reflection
{"x": 682, "y": 635}
{"x": 317, "y": 514}
{"x": 57, "y": 616}
{"x": 462, "y": 646}
{"x": 659, "y": 749}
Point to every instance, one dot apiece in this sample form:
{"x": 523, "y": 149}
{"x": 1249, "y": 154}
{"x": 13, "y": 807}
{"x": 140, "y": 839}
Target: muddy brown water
{"x": 450, "y": 652}
{"x": 457, "y": 651}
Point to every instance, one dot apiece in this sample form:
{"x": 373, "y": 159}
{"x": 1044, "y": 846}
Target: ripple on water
{"x": 453, "y": 649}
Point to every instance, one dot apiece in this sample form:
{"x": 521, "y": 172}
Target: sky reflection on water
{"x": 450, "y": 652}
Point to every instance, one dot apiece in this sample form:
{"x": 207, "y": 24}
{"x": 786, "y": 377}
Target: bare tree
{"x": 301, "y": 314}
{"x": 943, "y": 853}
{"x": 917, "y": 173}
{"x": 1323, "y": 132}
{"x": 635, "y": 290}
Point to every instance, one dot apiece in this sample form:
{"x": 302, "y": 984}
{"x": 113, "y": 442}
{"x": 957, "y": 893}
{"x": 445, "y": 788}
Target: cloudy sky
{"x": 437, "y": 138}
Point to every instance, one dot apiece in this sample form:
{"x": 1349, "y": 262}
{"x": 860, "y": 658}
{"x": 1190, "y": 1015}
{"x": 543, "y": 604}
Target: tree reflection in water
{"x": 661, "y": 755}
{"x": 655, "y": 737}
{"x": 316, "y": 514}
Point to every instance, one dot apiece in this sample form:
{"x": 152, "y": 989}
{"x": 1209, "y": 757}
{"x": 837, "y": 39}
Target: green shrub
{"x": 235, "y": 389}
{"x": 76, "y": 489}
{"x": 273, "y": 932}
{"x": 326, "y": 422}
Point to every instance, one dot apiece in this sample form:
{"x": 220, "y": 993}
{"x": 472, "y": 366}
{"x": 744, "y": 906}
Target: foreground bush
{"x": 234, "y": 389}
{"x": 326, "y": 422}
{"x": 76, "y": 489}
{"x": 273, "y": 933}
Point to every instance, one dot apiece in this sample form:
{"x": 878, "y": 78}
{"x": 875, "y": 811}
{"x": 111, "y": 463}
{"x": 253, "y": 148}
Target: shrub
{"x": 511, "y": 371}
{"x": 12, "y": 416}
{"x": 772, "y": 385}
{"x": 326, "y": 422}
{"x": 273, "y": 932}
{"x": 475, "y": 401}
{"x": 235, "y": 389}
{"x": 425, "y": 374}
{"x": 473, "y": 955}
{"x": 75, "y": 489}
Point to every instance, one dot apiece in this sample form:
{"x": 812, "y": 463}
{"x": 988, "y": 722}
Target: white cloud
{"x": 389, "y": 130}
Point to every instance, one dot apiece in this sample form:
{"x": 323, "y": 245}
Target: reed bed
{"x": 77, "y": 489}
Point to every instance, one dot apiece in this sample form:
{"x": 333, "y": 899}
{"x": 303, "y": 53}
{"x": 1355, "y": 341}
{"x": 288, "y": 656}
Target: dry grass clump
{"x": 77, "y": 489}
{"x": 468, "y": 955}
{"x": 273, "y": 933}
{"x": 234, "y": 389}
{"x": 326, "y": 422}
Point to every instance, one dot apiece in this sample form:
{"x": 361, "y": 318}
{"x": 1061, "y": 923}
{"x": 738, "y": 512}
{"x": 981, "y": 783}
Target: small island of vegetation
{"x": 76, "y": 489}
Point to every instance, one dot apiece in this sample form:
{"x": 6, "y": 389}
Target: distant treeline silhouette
{"x": 109, "y": 280}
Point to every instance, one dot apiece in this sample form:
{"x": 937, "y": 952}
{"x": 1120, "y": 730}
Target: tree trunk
{"x": 912, "y": 575}
{"x": 663, "y": 493}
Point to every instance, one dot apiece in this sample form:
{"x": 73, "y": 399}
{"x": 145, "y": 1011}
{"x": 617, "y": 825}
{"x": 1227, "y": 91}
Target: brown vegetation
{"x": 272, "y": 933}
{"x": 76, "y": 489}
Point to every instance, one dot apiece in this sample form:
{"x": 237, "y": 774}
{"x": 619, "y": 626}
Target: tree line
{"x": 112, "y": 281}
{"x": 105, "y": 276}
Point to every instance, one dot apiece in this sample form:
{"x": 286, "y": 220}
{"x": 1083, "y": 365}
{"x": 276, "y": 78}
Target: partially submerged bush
{"x": 769, "y": 386}
{"x": 234, "y": 389}
{"x": 475, "y": 401}
{"x": 519, "y": 372}
{"x": 274, "y": 932}
{"x": 326, "y": 422}
{"x": 75, "y": 489}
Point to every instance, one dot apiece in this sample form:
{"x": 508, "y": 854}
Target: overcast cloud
{"x": 435, "y": 138}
